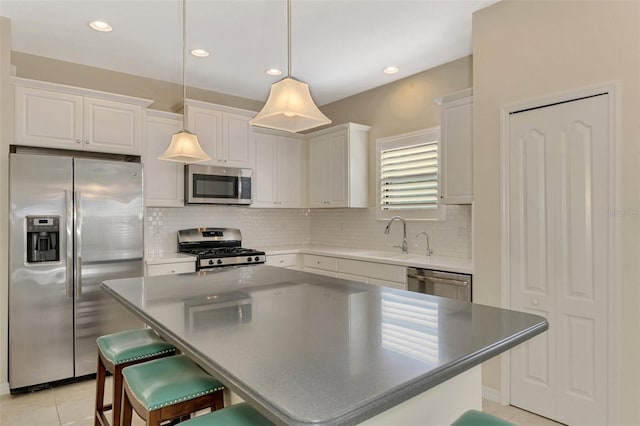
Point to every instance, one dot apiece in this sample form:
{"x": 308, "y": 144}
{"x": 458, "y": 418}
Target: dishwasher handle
{"x": 448, "y": 281}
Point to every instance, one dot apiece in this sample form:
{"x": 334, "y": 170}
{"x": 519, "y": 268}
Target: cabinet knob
{"x": 224, "y": 161}
{"x": 534, "y": 302}
{"x": 78, "y": 141}
{"x": 173, "y": 271}
{"x": 86, "y": 141}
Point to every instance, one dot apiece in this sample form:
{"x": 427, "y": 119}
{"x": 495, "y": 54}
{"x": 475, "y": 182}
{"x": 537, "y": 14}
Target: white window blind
{"x": 409, "y": 177}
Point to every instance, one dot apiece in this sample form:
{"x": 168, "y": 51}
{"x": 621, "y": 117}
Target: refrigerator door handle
{"x": 68, "y": 198}
{"x": 78, "y": 245}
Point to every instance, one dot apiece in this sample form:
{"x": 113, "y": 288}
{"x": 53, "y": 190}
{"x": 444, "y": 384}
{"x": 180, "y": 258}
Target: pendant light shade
{"x": 289, "y": 106}
{"x": 184, "y": 146}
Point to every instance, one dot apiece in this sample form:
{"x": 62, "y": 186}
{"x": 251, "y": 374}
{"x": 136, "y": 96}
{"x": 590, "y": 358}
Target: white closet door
{"x": 559, "y": 257}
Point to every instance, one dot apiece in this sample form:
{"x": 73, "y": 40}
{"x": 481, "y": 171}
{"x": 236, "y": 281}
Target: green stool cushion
{"x": 237, "y": 415}
{"x": 478, "y": 418}
{"x": 132, "y": 345}
{"x": 168, "y": 381}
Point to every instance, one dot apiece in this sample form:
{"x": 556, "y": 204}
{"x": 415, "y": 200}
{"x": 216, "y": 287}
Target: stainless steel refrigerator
{"x": 74, "y": 222}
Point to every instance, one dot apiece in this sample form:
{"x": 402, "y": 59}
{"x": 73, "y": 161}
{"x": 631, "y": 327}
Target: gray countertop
{"x": 307, "y": 349}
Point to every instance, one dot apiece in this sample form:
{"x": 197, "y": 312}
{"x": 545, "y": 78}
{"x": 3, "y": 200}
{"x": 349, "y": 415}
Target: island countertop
{"x": 307, "y": 349}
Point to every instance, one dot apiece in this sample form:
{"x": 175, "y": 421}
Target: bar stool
{"x": 117, "y": 351}
{"x": 236, "y": 415}
{"x": 167, "y": 389}
{"x": 478, "y": 418}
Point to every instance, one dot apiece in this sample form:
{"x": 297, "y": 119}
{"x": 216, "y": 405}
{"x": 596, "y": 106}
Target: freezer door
{"x": 109, "y": 245}
{"x": 40, "y": 293}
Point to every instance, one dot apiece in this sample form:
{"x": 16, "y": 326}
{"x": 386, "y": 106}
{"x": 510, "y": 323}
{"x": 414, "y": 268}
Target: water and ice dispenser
{"x": 43, "y": 239}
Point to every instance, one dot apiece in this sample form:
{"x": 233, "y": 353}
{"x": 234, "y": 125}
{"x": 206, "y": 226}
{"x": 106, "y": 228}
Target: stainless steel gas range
{"x": 217, "y": 247}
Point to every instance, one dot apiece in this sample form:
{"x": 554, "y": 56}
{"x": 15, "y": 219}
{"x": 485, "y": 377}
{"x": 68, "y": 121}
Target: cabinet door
{"x": 113, "y": 127}
{"x": 207, "y": 124}
{"x": 264, "y": 173}
{"x": 47, "y": 119}
{"x": 236, "y": 143}
{"x": 335, "y": 166}
{"x": 316, "y": 174}
{"x": 289, "y": 172}
{"x": 456, "y": 152}
{"x": 163, "y": 180}
{"x": 171, "y": 268}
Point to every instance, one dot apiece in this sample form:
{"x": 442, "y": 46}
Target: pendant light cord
{"x": 184, "y": 59}
{"x": 289, "y": 38}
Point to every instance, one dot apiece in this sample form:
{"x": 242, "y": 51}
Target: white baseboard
{"x": 491, "y": 394}
{"x": 4, "y": 388}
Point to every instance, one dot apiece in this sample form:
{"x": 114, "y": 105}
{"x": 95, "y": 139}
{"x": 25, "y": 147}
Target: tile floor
{"x": 72, "y": 405}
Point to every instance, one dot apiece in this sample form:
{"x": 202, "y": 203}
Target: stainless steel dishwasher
{"x": 439, "y": 283}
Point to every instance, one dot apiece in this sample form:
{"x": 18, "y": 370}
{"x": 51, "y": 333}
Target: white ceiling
{"x": 339, "y": 47}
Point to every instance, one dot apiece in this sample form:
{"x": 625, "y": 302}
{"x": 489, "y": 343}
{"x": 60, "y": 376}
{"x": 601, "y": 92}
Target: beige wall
{"x": 166, "y": 96}
{"x": 529, "y": 49}
{"x": 402, "y": 106}
{"x": 6, "y": 134}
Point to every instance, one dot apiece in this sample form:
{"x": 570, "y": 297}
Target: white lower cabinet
{"x": 289, "y": 261}
{"x": 171, "y": 268}
{"x": 357, "y": 270}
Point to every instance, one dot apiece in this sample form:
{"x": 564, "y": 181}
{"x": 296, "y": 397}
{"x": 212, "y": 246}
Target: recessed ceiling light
{"x": 391, "y": 70}
{"x": 100, "y": 26}
{"x": 200, "y": 53}
{"x": 273, "y": 71}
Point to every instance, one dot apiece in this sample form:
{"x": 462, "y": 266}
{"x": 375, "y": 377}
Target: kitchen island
{"x": 306, "y": 349}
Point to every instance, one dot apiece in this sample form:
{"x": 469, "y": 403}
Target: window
{"x": 408, "y": 171}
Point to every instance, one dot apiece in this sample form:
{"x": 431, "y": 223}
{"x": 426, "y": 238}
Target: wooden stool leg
{"x": 127, "y": 410}
{"x": 218, "y": 400}
{"x": 154, "y": 418}
{"x": 100, "y": 381}
{"x": 117, "y": 395}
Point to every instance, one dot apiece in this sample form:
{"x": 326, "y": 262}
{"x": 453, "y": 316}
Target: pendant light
{"x": 184, "y": 146}
{"x": 289, "y": 106}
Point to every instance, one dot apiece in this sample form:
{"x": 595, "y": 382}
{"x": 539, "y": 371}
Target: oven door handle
{"x": 447, "y": 281}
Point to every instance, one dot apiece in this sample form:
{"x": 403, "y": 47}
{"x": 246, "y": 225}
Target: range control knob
{"x": 211, "y": 262}
{"x": 249, "y": 259}
{"x": 256, "y": 258}
{"x": 219, "y": 262}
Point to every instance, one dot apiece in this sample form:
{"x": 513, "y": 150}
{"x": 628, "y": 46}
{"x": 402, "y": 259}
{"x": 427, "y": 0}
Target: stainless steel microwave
{"x": 216, "y": 185}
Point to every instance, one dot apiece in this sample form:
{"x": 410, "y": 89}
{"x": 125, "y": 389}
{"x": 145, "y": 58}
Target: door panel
{"x": 336, "y": 169}
{"x": 265, "y": 171}
{"x": 109, "y": 245}
{"x": 559, "y": 254}
{"x": 40, "y": 301}
{"x": 289, "y": 182}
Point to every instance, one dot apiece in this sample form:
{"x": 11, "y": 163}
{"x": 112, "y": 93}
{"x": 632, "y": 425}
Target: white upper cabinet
{"x": 277, "y": 173}
{"x": 456, "y": 147}
{"x": 163, "y": 180}
{"x": 55, "y": 116}
{"x": 223, "y": 133}
{"x": 338, "y": 167}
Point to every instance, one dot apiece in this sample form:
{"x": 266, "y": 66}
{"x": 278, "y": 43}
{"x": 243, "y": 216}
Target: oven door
{"x": 217, "y": 185}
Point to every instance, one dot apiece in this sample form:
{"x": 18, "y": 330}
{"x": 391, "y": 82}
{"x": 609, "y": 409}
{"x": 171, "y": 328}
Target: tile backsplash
{"x": 359, "y": 228}
{"x": 260, "y": 227}
{"x": 356, "y": 228}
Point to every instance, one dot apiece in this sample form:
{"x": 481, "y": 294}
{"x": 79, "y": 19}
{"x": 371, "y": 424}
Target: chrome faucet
{"x": 404, "y": 245}
{"x": 429, "y": 250}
